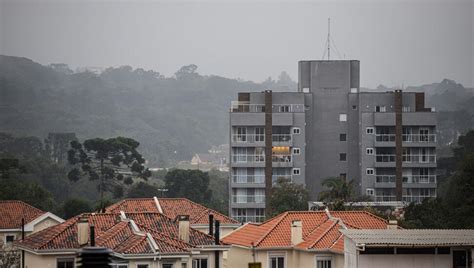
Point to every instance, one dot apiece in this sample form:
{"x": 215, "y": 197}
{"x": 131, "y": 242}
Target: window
{"x": 342, "y": 156}
{"x": 370, "y": 171}
{"x": 306, "y": 90}
{"x": 369, "y": 151}
{"x": 354, "y": 107}
{"x": 296, "y": 171}
{"x": 296, "y": 130}
{"x": 259, "y": 134}
{"x": 285, "y": 108}
{"x": 369, "y": 191}
{"x": 200, "y": 263}
{"x": 9, "y": 238}
{"x": 323, "y": 262}
{"x": 342, "y": 117}
{"x": 369, "y": 130}
{"x": 342, "y": 137}
{"x": 184, "y": 265}
{"x": 296, "y": 151}
{"x": 165, "y": 265}
{"x": 65, "y": 263}
{"x": 277, "y": 261}
{"x": 406, "y": 109}
{"x": 380, "y": 109}
{"x": 343, "y": 176}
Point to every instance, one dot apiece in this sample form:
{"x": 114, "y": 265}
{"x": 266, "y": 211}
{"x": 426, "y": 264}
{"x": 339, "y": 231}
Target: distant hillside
{"x": 172, "y": 117}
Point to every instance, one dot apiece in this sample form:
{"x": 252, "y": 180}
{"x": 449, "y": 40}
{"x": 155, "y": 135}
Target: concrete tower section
{"x": 331, "y": 123}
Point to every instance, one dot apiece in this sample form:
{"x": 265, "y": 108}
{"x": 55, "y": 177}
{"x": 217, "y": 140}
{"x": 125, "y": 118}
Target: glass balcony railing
{"x": 248, "y": 178}
{"x": 249, "y": 218}
{"x": 243, "y": 199}
{"x": 406, "y": 198}
{"x": 407, "y": 158}
{"x": 406, "y": 137}
{"x": 248, "y": 158}
{"x": 254, "y": 138}
{"x": 406, "y": 179}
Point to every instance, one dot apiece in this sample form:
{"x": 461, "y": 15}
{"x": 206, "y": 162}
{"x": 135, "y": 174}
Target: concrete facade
{"x": 341, "y": 132}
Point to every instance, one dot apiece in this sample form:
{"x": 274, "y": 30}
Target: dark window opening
{"x": 377, "y": 251}
{"x": 342, "y": 137}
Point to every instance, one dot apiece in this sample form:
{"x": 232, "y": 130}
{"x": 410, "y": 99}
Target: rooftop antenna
{"x": 329, "y": 38}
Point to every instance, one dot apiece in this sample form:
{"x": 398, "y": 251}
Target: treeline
{"x": 28, "y": 173}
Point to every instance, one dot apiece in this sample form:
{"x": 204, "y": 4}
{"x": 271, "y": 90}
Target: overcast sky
{"x": 397, "y": 42}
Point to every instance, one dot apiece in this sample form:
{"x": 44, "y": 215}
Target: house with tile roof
{"x": 137, "y": 239}
{"x": 408, "y": 248}
{"x": 172, "y": 207}
{"x": 14, "y": 212}
{"x": 297, "y": 239}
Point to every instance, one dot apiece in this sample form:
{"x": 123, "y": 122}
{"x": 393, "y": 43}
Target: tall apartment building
{"x": 384, "y": 141}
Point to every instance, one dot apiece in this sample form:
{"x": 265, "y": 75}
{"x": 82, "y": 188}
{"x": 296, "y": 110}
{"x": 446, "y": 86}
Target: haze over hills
{"x": 172, "y": 117}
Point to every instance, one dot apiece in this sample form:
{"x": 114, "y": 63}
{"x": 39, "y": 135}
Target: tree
{"x": 339, "y": 191}
{"x": 29, "y": 192}
{"x": 192, "y": 184}
{"x": 107, "y": 161}
{"x": 75, "y": 206}
{"x": 288, "y": 196}
{"x": 187, "y": 72}
{"x": 142, "y": 190}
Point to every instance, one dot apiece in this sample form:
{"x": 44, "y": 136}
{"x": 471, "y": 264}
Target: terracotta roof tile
{"x": 12, "y": 211}
{"x": 320, "y": 230}
{"x": 172, "y": 207}
{"x": 119, "y": 235}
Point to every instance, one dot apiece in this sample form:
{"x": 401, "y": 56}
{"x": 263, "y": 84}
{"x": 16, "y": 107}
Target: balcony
{"x": 248, "y": 158}
{"x": 406, "y": 158}
{"x": 248, "y": 179}
{"x": 259, "y": 139}
{"x": 406, "y": 138}
{"x": 245, "y": 107}
{"x": 249, "y": 218}
{"x": 406, "y": 179}
{"x": 244, "y": 199}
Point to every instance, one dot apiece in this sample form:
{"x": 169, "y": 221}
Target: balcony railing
{"x": 407, "y": 158}
{"x": 281, "y": 158}
{"x": 406, "y": 179}
{"x": 237, "y": 107}
{"x": 248, "y": 158}
{"x": 248, "y": 178}
{"x": 242, "y": 199}
{"x": 249, "y": 218}
{"x": 276, "y": 177}
{"x": 406, "y": 137}
{"x": 406, "y": 198}
{"x": 253, "y": 138}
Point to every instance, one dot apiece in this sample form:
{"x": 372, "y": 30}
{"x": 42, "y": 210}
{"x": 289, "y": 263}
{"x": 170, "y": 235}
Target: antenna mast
{"x": 329, "y": 38}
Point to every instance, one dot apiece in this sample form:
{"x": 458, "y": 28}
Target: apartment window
{"x": 164, "y": 265}
{"x": 369, "y": 151}
{"x": 259, "y": 214}
{"x": 323, "y": 262}
{"x": 200, "y": 263}
{"x": 285, "y": 108}
{"x": 342, "y": 137}
{"x": 277, "y": 261}
{"x": 259, "y": 134}
{"x": 296, "y": 130}
{"x": 406, "y": 109}
{"x": 296, "y": 151}
{"x": 184, "y": 265}
{"x": 342, "y": 156}
{"x": 296, "y": 171}
{"x": 369, "y": 130}
{"x": 380, "y": 109}
{"x": 369, "y": 191}
{"x": 354, "y": 107}
{"x": 65, "y": 263}
{"x": 342, "y": 117}
{"x": 343, "y": 176}
{"x": 9, "y": 238}
{"x": 370, "y": 171}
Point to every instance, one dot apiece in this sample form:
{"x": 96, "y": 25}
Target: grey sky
{"x": 397, "y": 42}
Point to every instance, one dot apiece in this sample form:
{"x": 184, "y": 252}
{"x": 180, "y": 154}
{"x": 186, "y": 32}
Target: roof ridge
{"x": 283, "y": 215}
{"x": 335, "y": 241}
{"x": 151, "y": 231}
{"x": 324, "y": 233}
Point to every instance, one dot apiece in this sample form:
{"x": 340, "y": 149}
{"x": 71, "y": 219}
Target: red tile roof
{"x": 119, "y": 235}
{"x": 320, "y": 230}
{"x": 12, "y": 211}
{"x": 171, "y": 207}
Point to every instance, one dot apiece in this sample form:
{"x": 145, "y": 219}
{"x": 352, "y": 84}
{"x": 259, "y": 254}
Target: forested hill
{"x": 172, "y": 117}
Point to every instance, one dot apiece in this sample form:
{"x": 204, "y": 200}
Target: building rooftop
{"x": 171, "y": 207}
{"x": 321, "y": 230}
{"x": 412, "y": 237}
{"x": 126, "y": 234}
{"x": 12, "y": 211}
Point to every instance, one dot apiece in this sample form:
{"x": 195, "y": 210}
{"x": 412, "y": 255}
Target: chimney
{"x": 392, "y": 225}
{"x": 296, "y": 232}
{"x": 211, "y": 223}
{"x": 217, "y": 232}
{"x": 83, "y": 230}
{"x": 183, "y": 221}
